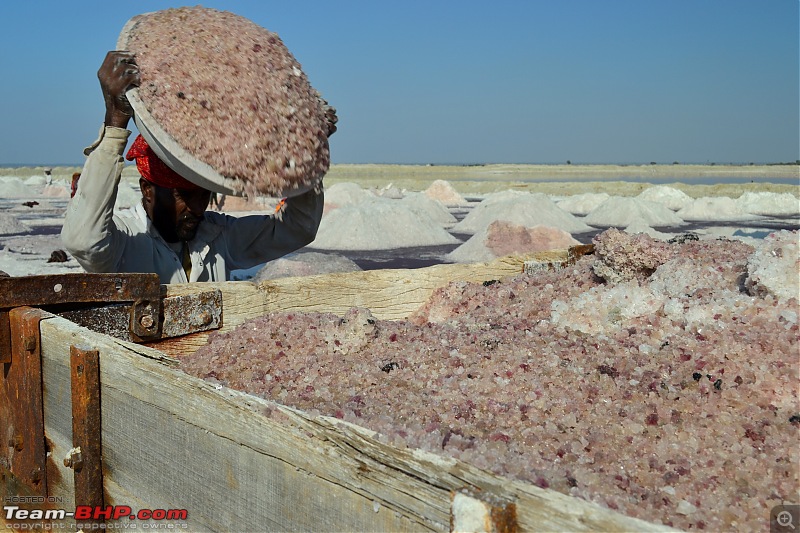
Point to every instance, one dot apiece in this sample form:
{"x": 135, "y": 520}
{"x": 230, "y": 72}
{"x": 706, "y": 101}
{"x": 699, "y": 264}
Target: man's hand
{"x": 117, "y": 75}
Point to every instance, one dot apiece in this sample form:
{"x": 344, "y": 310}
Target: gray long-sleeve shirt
{"x": 104, "y": 241}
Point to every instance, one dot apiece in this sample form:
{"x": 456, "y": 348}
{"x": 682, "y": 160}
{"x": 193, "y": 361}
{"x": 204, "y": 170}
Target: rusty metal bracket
{"x": 86, "y": 456}
{"x": 24, "y": 452}
{"x": 191, "y": 313}
{"x": 131, "y": 307}
{"x": 181, "y": 315}
{"x": 138, "y": 294}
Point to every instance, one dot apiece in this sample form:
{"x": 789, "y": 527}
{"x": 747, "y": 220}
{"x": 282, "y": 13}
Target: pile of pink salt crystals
{"x": 231, "y": 94}
{"x": 667, "y": 389}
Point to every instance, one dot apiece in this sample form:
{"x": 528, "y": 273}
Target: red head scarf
{"x": 153, "y": 169}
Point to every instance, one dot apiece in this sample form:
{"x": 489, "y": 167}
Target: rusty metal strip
{"x": 86, "y": 456}
{"x": 24, "y": 452}
{"x": 78, "y": 288}
{"x": 5, "y": 338}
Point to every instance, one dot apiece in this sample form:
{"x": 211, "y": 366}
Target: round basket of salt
{"x": 224, "y": 103}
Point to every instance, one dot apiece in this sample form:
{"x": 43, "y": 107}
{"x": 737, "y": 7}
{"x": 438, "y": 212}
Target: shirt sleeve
{"x": 256, "y": 239}
{"x": 89, "y": 232}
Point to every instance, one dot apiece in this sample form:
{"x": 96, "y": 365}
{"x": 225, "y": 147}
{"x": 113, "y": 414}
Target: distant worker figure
{"x": 48, "y": 176}
{"x": 170, "y": 233}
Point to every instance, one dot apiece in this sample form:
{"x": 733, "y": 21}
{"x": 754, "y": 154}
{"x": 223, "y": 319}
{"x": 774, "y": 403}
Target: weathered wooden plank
{"x": 172, "y": 441}
{"x": 389, "y": 294}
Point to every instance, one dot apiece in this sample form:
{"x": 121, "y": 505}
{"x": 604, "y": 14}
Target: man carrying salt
{"x": 170, "y": 233}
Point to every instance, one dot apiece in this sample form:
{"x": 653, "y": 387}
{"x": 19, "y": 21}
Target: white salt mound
{"x": 769, "y": 203}
{"x": 426, "y": 206}
{"x": 520, "y": 208}
{"x": 305, "y": 264}
{"x": 13, "y": 187}
{"x": 486, "y": 244}
{"x": 345, "y": 193}
{"x": 621, "y": 212}
{"x": 9, "y": 225}
{"x": 582, "y": 204}
{"x": 640, "y": 226}
{"x": 444, "y": 192}
{"x": 378, "y": 224}
{"x": 673, "y": 198}
{"x": 774, "y": 268}
{"x": 712, "y": 208}
{"x": 36, "y": 181}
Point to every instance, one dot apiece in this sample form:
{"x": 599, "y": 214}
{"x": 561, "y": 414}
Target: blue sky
{"x": 465, "y": 82}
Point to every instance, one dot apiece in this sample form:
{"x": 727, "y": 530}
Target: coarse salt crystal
{"x": 685, "y": 508}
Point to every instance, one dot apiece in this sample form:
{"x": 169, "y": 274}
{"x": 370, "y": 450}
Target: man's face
{"x": 176, "y": 213}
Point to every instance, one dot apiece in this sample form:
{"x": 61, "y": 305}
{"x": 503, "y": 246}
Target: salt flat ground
{"x": 26, "y": 251}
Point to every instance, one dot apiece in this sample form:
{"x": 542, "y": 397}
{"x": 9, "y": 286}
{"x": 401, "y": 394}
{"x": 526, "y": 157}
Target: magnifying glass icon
{"x": 784, "y": 519}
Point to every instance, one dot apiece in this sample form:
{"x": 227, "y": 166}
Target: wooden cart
{"x": 94, "y": 419}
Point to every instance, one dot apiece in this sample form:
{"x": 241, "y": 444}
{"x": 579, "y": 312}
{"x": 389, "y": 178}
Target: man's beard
{"x": 186, "y": 227}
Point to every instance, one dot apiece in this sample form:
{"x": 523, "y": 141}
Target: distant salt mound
{"x": 503, "y": 238}
{"x": 36, "y": 181}
{"x": 428, "y": 207}
{"x": 673, "y": 198}
{"x": 621, "y": 212}
{"x": 345, "y": 193}
{"x": 769, "y": 203}
{"x": 444, "y": 192}
{"x": 523, "y": 209}
{"x": 774, "y": 268}
{"x": 9, "y": 225}
{"x": 639, "y": 226}
{"x": 305, "y": 264}
{"x": 712, "y": 208}
{"x": 378, "y": 224}
{"x": 13, "y": 187}
{"x": 582, "y": 204}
